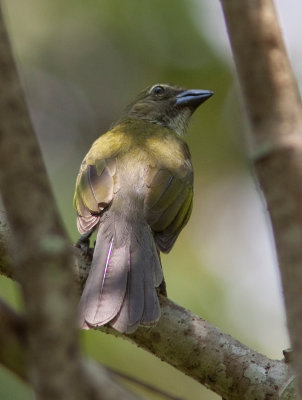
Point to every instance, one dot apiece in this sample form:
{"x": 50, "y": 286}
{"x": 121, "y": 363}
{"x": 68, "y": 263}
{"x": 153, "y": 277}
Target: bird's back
{"x": 136, "y": 186}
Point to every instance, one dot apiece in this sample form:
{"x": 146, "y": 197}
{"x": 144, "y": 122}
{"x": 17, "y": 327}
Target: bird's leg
{"x": 162, "y": 289}
{"x": 84, "y": 242}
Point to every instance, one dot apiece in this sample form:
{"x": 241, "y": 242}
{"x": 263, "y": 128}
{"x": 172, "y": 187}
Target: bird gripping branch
{"x": 135, "y": 186}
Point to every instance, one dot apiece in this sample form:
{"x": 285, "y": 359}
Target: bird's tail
{"x": 125, "y": 270}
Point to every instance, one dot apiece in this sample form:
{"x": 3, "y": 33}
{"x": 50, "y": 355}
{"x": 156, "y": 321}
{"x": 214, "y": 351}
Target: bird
{"x": 135, "y": 188}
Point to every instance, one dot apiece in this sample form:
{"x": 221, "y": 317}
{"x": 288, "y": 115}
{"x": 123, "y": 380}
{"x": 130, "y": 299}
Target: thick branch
{"x": 12, "y": 341}
{"x": 44, "y": 263}
{"x": 12, "y": 356}
{"x": 274, "y": 110}
{"x": 211, "y": 357}
{"x": 206, "y": 354}
{"x": 5, "y": 259}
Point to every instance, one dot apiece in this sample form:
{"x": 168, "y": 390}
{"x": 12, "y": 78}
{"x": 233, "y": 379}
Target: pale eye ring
{"x": 158, "y": 90}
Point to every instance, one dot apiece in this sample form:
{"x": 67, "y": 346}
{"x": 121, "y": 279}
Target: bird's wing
{"x": 168, "y": 201}
{"x": 94, "y": 191}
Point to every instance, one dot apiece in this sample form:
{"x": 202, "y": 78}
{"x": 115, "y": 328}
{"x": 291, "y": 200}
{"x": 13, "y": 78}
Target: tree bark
{"x": 202, "y": 351}
{"x": 13, "y": 356}
{"x": 274, "y": 111}
{"x": 43, "y": 261}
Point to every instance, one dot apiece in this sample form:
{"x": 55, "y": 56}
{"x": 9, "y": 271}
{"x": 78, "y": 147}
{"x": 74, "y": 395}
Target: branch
{"x": 203, "y": 352}
{"x": 13, "y": 355}
{"x": 6, "y": 264}
{"x": 211, "y": 357}
{"x": 45, "y": 269}
{"x": 43, "y": 262}
{"x": 274, "y": 110}
{"x": 12, "y": 341}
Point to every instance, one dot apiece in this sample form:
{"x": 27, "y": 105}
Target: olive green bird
{"x": 135, "y": 186}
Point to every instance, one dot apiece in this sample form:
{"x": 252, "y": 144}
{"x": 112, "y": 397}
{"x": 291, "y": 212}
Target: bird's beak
{"x": 192, "y": 98}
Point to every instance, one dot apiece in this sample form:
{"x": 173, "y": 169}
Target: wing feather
{"x": 94, "y": 192}
{"x": 168, "y": 202}
{"x": 166, "y": 239}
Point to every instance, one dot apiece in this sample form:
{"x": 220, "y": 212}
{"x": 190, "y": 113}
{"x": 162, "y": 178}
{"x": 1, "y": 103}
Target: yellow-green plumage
{"x": 166, "y": 174}
{"x": 136, "y": 185}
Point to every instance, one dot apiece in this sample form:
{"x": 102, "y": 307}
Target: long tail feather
{"x": 125, "y": 270}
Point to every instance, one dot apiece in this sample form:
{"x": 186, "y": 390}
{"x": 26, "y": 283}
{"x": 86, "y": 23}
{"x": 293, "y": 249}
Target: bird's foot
{"x": 162, "y": 288}
{"x": 84, "y": 242}
{"x": 288, "y": 355}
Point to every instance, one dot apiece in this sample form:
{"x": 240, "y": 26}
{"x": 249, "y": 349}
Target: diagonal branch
{"x": 13, "y": 356}
{"x": 274, "y": 110}
{"x": 202, "y": 351}
{"x": 12, "y": 341}
{"x": 211, "y": 357}
{"x": 42, "y": 257}
{"x": 43, "y": 262}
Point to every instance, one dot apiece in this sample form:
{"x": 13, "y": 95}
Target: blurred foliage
{"x": 81, "y": 62}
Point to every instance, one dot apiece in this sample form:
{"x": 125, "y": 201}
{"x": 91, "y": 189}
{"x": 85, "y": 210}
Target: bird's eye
{"x": 157, "y": 90}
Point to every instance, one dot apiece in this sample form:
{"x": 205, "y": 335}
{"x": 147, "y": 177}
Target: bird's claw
{"x": 162, "y": 289}
{"x": 84, "y": 242}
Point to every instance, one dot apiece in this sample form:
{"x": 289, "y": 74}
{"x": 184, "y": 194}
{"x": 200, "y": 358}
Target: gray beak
{"x": 192, "y": 98}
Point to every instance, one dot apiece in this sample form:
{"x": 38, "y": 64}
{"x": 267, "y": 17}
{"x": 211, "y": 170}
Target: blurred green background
{"x": 80, "y": 63}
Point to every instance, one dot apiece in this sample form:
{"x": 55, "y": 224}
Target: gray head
{"x": 167, "y": 105}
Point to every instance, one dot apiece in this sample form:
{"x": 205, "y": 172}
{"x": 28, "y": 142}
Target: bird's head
{"x": 167, "y": 105}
